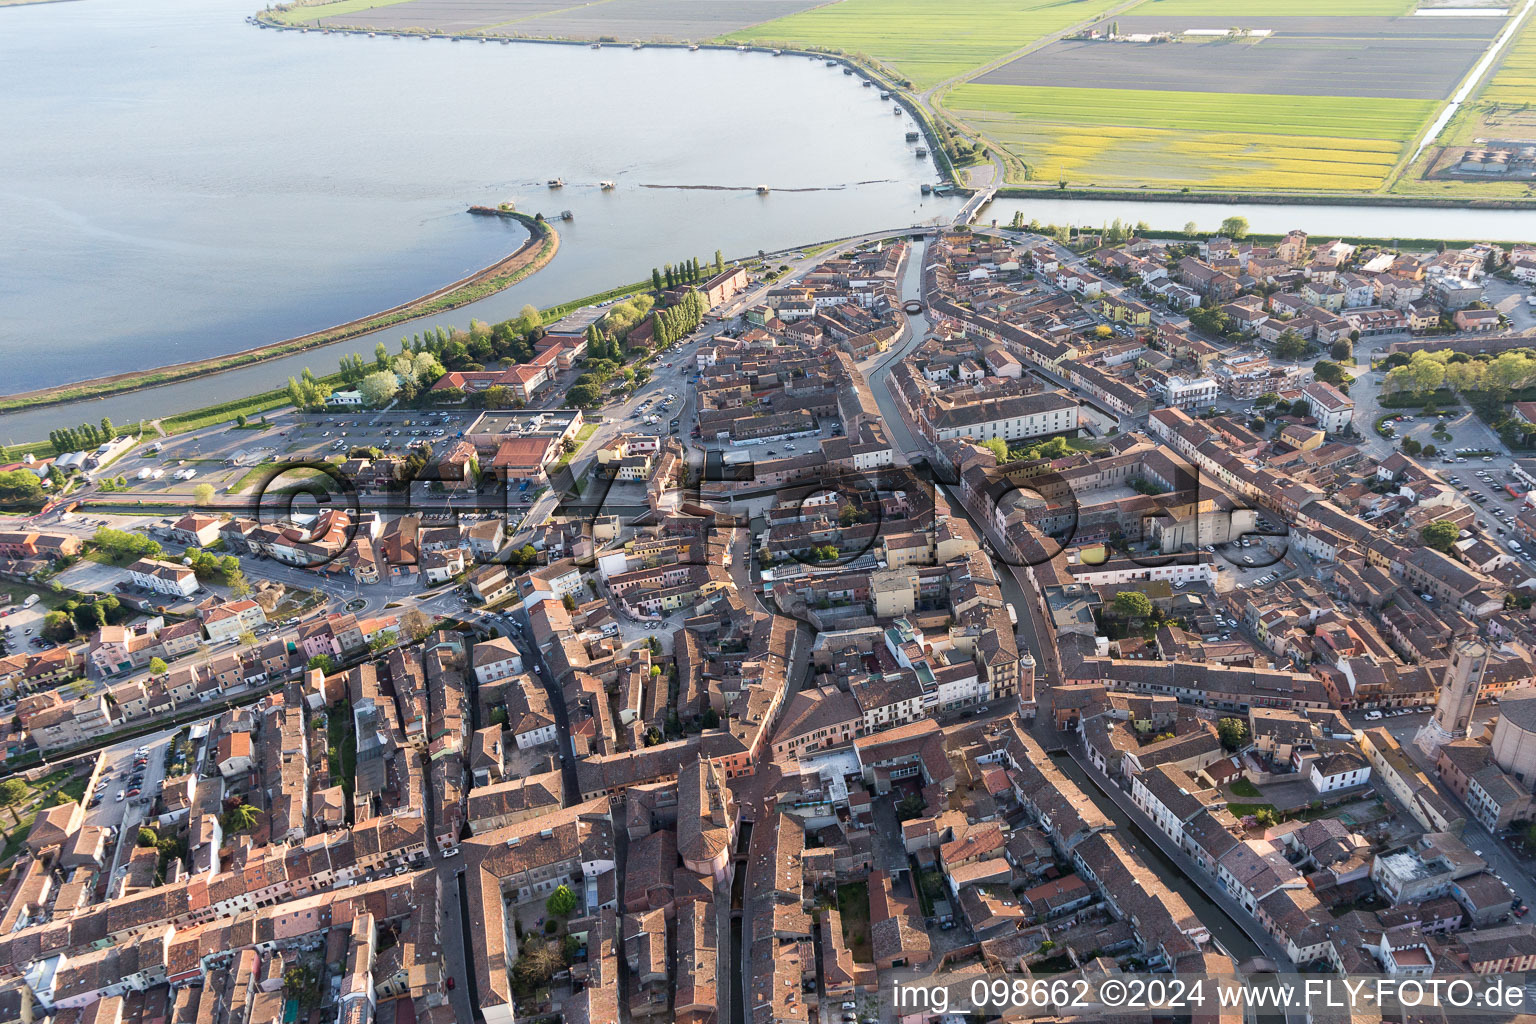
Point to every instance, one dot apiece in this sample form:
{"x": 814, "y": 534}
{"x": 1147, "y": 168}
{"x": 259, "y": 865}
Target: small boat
{"x": 556, "y": 183}
{"x": 913, "y": 136}
{"x": 567, "y": 215}
{"x": 927, "y": 189}
{"x": 896, "y": 110}
{"x": 505, "y": 42}
{"x": 741, "y": 49}
{"x": 597, "y": 46}
{"x": 636, "y": 46}
{"x": 831, "y": 63}
{"x": 885, "y": 95}
{"x": 607, "y": 186}
{"x": 867, "y": 84}
{"x": 847, "y": 71}
{"x": 921, "y": 152}
{"x": 370, "y": 35}
{"x": 778, "y": 53}
{"x": 692, "y": 47}
{"x": 762, "y": 190}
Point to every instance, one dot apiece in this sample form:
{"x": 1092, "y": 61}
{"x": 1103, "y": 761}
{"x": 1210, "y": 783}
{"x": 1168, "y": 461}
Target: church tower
{"x": 1458, "y": 696}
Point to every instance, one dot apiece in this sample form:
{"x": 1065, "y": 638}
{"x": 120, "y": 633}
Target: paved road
{"x": 1034, "y": 629}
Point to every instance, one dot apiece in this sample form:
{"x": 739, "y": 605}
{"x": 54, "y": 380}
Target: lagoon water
{"x": 177, "y": 183}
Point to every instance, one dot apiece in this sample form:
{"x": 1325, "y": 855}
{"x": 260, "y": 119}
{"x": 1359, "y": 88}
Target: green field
{"x": 1219, "y": 140}
{"x": 306, "y": 13}
{"x": 1277, "y": 8}
{"x": 928, "y": 41}
{"x": 1515, "y": 79}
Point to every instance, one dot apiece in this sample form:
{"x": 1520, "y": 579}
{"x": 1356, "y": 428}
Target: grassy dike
{"x": 533, "y": 255}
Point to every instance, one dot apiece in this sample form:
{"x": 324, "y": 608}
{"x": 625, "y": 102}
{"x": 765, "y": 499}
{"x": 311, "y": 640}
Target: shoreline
{"x": 535, "y": 253}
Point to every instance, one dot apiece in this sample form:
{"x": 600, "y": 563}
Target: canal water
{"x": 1225, "y": 931}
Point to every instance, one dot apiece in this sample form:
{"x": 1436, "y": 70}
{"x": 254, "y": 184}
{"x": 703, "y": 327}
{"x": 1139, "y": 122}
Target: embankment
{"x": 533, "y": 255}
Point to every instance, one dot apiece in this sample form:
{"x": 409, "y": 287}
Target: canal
{"x": 1226, "y": 931}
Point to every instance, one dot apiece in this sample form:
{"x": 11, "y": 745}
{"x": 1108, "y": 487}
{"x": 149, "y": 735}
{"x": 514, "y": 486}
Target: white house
{"x": 163, "y": 577}
{"x": 496, "y": 659}
{"x": 1332, "y": 408}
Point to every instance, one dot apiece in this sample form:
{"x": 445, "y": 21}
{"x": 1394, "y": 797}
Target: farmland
{"x": 1231, "y": 10}
{"x": 659, "y": 20}
{"x": 1514, "y": 81}
{"x": 1395, "y": 67}
{"x": 927, "y": 41}
{"x": 1131, "y": 137}
{"x": 626, "y": 20}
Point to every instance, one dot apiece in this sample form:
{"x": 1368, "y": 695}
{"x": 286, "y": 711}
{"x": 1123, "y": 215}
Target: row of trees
{"x": 686, "y": 272}
{"x": 307, "y": 391}
{"x": 86, "y": 435}
{"x": 122, "y": 546}
{"x": 677, "y": 320}
{"x": 1498, "y": 376}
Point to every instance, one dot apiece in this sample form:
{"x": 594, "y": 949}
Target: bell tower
{"x": 1458, "y": 696}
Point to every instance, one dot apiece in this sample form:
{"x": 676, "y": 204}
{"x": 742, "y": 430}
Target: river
{"x": 177, "y": 183}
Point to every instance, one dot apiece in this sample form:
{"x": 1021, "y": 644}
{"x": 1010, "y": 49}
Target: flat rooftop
{"x": 524, "y": 422}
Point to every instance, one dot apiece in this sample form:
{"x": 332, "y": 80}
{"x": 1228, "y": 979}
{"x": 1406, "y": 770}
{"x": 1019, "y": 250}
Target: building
{"x": 161, "y": 577}
{"x": 1514, "y": 736}
{"x": 1332, "y": 408}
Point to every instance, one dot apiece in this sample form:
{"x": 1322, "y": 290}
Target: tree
{"x": 710, "y": 719}
{"x": 57, "y": 626}
{"x": 1411, "y": 447}
{"x": 1232, "y": 732}
{"x": 1440, "y": 535}
{"x": 1191, "y": 229}
{"x": 379, "y": 388}
{"x": 247, "y": 638}
{"x": 561, "y": 902}
{"x": 1341, "y": 349}
{"x": 532, "y": 319}
{"x": 12, "y": 792}
{"x": 20, "y": 486}
{"x": 1235, "y": 227}
{"x": 1132, "y": 604}
{"x": 322, "y": 662}
{"x": 1268, "y": 398}
{"x": 1103, "y": 331}
{"x": 997, "y": 446}
{"x": 719, "y": 262}
{"x": 1290, "y": 345}
{"x": 1331, "y": 372}
{"x": 202, "y": 494}
{"x": 655, "y": 280}
{"x": 415, "y": 625}
{"x": 158, "y": 667}
{"x": 1265, "y": 817}
{"x": 148, "y": 838}
{"x": 240, "y": 818}
{"x": 537, "y": 963}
